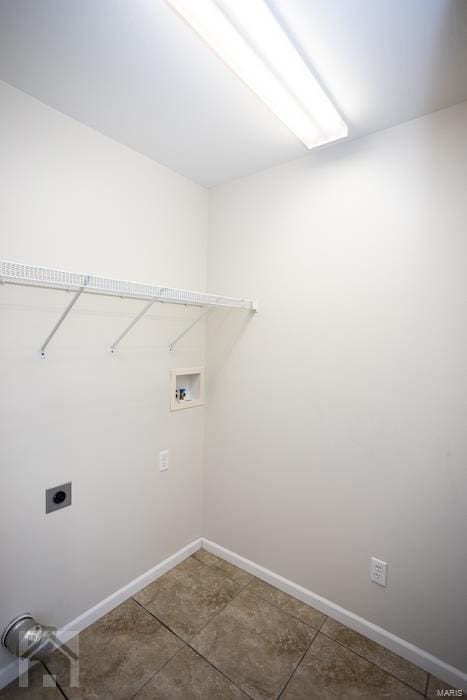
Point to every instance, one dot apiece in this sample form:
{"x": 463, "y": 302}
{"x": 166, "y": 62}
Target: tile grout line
{"x": 217, "y": 613}
{"x": 223, "y": 607}
{"x": 157, "y": 672}
{"x": 159, "y": 620}
{"x": 427, "y": 684}
{"x": 278, "y": 607}
{"x": 218, "y": 570}
{"x": 170, "y": 658}
{"x": 210, "y": 619}
{"x": 188, "y": 642}
{"x": 295, "y": 618}
{"x": 365, "y": 658}
{"x": 188, "y": 645}
{"x": 225, "y": 576}
{"x": 424, "y": 694}
{"x": 164, "y": 664}
{"x": 221, "y": 672}
{"x": 296, "y": 667}
{"x": 357, "y": 654}
{"x": 264, "y": 600}
{"x": 388, "y": 673}
{"x": 57, "y": 684}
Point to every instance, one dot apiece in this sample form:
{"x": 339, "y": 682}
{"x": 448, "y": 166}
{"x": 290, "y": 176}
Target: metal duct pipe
{"x": 28, "y": 639}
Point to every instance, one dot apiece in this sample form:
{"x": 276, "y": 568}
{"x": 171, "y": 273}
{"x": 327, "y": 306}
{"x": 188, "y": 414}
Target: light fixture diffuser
{"x": 248, "y": 38}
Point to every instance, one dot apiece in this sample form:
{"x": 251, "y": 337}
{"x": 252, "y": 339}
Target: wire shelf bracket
{"x": 65, "y": 313}
{"x": 34, "y": 276}
{"x": 202, "y": 315}
{"x": 147, "y": 306}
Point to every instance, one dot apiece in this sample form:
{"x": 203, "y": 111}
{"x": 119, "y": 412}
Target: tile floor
{"x": 208, "y": 630}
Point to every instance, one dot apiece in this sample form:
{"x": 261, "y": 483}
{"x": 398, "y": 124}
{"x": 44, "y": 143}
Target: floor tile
{"x": 435, "y": 685}
{"x": 255, "y": 644}
{"x": 387, "y": 660}
{"x": 117, "y": 654}
{"x": 288, "y": 604}
{"x": 190, "y": 677}
{"x": 329, "y": 671}
{"x": 35, "y": 689}
{"x": 187, "y": 597}
{"x": 231, "y": 571}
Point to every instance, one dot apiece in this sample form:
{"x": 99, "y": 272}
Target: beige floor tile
{"x": 117, "y": 654}
{"x": 188, "y": 596}
{"x": 255, "y": 644}
{"x": 231, "y": 571}
{"x": 288, "y": 604}
{"x": 35, "y": 689}
{"x": 189, "y": 677}
{"x": 387, "y": 660}
{"x": 329, "y": 671}
{"x": 435, "y": 685}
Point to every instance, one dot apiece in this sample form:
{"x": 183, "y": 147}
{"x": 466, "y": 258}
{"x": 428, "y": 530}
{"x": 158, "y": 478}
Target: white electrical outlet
{"x": 163, "y": 460}
{"x": 378, "y": 571}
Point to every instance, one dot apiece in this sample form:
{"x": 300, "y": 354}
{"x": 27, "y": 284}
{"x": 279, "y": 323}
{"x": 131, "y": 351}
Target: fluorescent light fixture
{"x": 247, "y": 37}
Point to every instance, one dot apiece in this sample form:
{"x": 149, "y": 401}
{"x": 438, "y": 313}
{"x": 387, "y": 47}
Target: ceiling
{"x": 133, "y": 70}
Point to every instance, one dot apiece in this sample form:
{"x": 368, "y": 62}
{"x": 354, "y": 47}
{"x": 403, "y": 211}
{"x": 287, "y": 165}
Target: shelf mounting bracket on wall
{"x": 76, "y": 296}
{"x": 205, "y": 313}
{"x": 46, "y": 277}
{"x": 147, "y": 306}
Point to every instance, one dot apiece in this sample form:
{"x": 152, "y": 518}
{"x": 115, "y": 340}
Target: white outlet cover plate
{"x": 378, "y": 571}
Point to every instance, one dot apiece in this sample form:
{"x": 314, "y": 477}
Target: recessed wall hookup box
{"x": 186, "y": 388}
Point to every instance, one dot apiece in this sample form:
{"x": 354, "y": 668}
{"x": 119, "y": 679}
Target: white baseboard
{"x": 95, "y": 613}
{"x": 10, "y": 673}
{"x": 431, "y": 664}
{"x": 390, "y": 641}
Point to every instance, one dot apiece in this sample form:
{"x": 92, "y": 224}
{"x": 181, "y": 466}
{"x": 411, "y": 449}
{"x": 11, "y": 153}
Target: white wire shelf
{"x": 34, "y": 276}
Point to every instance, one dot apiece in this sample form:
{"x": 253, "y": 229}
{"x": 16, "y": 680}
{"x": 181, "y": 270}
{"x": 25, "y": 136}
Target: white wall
{"x": 73, "y": 199}
{"x": 337, "y": 417}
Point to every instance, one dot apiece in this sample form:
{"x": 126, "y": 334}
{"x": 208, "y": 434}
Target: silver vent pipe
{"x": 28, "y": 639}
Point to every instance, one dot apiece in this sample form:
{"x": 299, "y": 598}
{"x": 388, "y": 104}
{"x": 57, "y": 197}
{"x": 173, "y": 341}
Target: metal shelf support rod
{"x": 76, "y": 296}
{"x": 205, "y": 313}
{"x": 147, "y": 306}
